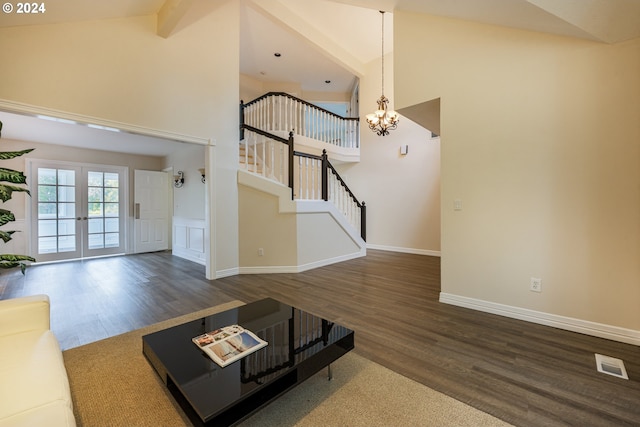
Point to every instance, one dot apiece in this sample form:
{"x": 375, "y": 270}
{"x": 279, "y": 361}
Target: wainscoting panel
{"x": 188, "y": 239}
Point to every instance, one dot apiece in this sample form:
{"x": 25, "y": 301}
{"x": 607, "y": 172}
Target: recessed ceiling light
{"x": 277, "y": 54}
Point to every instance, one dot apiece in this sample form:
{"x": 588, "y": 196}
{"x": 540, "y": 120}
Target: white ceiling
{"x": 353, "y": 24}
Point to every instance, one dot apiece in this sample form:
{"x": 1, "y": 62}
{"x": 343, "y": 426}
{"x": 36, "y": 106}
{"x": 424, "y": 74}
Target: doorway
{"x": 77, "y": 211}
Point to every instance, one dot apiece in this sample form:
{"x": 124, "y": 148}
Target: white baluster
{"x": 264, "y": 157}
{"x": 306, "y": 173}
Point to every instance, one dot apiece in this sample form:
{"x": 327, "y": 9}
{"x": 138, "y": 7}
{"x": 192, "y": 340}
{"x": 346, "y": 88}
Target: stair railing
{"x": 267, "y": 155}
{"x": 315, "y": 178}
{"x": 279, "y": 111}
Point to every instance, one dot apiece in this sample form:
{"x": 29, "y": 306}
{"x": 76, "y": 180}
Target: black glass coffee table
{"x": 300, "y": 345}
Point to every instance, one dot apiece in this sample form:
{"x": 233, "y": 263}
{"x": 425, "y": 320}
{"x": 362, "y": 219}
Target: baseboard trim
{"x": 600, "y": 330}
{"x": 268, "y": 269}
{"x": 227, "y": 273}
{"x": 403, "y": 250}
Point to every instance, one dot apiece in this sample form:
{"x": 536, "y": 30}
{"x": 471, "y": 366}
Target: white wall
{"x": 540, "y": 142}
{"x": 188, "y": 200}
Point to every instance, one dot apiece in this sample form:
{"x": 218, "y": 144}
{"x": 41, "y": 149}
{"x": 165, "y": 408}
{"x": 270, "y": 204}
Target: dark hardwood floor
{"x": 523, "y": 373}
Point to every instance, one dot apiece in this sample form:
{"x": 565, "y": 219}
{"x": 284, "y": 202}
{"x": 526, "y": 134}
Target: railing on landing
{"x": 279, "y": 111}
{"x": 309, "y": 177}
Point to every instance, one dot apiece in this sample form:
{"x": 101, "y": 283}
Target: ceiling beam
{"x": 170, "y": 15}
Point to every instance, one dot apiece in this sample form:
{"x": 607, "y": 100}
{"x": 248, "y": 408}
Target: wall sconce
{"x": 201, "y": 170}
{"x": 178, "y": 180}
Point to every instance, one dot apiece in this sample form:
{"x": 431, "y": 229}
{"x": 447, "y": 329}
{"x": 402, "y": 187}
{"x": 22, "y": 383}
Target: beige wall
{"x": 120, "y": 71}
{"x": 293, "y": 236}
{"x": 541, "y": 143}
{"x": 263, "y": 226}
{"x": 402, "y": 193}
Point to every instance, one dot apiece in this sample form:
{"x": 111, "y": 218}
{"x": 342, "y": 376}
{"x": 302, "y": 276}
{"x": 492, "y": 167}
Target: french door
{"x": 77, "y": 211}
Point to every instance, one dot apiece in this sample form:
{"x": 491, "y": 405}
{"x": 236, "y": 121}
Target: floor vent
{"x": 611, "y": 366}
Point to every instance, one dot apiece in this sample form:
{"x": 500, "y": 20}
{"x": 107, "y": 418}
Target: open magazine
{"x": 228, "y": 344}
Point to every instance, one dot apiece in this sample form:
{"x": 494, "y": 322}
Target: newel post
{"x": 325, "y": 176}
{"x": 363, "y": 222}
{"x": 241, "y": 120}
{"x": 290, "y": 143}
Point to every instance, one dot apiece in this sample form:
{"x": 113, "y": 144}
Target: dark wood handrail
{"x": 263, "y": 133}
{"x": 302, "y": 101}
{"x": 307, "y": 155}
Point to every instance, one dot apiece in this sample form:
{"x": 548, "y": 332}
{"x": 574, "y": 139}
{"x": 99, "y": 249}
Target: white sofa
{"x": 35, "y": 389}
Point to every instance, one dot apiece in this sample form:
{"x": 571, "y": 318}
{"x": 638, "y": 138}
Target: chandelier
{"x": 383, "y": 120}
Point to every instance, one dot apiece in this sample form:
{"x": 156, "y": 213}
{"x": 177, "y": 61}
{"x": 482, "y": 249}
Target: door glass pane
{"x": 111, "y": 180}
{"x": 66, "y": 210}
{"x": 67, "y": 177}
{"x": 95, "y": 194}
{"x": 103, "y": 205}
{"x": 46, "y": 210}
{"x": 111, "y": 225}
{"x": 47, "y": 227}
{"x": 111, "y": 195}
{"x": 96, "y": 241}
{"x": 56, "y": 210}
{"x": 110, "y": 209}
{"x": 95, "y": 225}
{"x": 66, "y": 243}
{"x": 112, "y": 240}
{"x": 47, "y": 193}
{"x": 95, "y": 179}
{"x": 47, "y": 245}
{"x": 67, "y": 227}
{"x": 66, "y": 194}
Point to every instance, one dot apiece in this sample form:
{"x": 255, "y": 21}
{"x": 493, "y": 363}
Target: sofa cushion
{"x": 32, "y": 373}
{"x": 57, "y": 414}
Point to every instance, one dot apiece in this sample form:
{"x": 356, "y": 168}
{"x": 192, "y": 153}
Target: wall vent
{"x": 611, "y": 366}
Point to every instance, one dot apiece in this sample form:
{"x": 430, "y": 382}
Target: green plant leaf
{"x": 6, "y": 264}
{"x": 15, "y": 258}
{"x": 11, "y": 261}
{"x": 13, "y": 264}
{"x": 10, "y": 175}
{"x": 6, "y": 235}
{"x": 6, "y": 155}
{"x": 6, "y": 217}
{"x": 7, "y": 190}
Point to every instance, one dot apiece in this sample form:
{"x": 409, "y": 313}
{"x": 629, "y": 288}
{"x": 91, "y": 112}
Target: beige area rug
{"x": 112, "y": 384}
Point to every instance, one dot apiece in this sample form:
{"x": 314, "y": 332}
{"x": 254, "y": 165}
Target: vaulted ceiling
{"x": 353, "y": 24}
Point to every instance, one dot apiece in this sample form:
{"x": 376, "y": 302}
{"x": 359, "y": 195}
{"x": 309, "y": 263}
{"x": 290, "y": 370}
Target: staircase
{"x": 271, "y": 127}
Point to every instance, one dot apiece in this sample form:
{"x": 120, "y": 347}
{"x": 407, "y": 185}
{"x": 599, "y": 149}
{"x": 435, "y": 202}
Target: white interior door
{"x": 151, "y": 200}
{"x": 77, "y": 211}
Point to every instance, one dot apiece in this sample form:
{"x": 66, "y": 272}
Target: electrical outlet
{"x": 536, "y": 285}
{"x": 260, "y": 252}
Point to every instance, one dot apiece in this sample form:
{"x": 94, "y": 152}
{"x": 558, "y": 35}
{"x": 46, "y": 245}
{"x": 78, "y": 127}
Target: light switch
{"x": 457, "y": 205}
